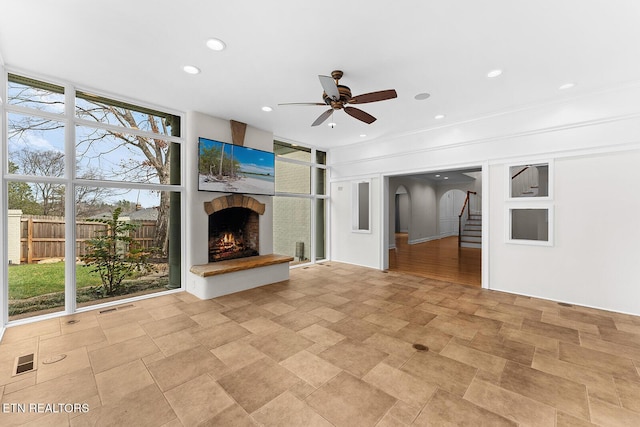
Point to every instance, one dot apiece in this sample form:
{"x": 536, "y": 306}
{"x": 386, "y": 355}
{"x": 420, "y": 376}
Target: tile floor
{"x": 331, "y": 346}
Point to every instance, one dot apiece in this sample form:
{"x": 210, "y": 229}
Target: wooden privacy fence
{"x": 42, "y": 237}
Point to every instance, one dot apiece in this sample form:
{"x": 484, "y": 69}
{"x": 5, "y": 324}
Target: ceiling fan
{"x": 337, "y": 96}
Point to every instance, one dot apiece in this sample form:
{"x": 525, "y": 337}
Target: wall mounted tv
{"x": 229, "y": 168}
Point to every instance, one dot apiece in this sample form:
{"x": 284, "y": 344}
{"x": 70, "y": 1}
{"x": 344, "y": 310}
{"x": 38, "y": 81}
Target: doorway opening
{"x": 435, "y": 225}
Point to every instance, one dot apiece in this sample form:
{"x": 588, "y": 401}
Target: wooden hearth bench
{"x": 225, "y": 277}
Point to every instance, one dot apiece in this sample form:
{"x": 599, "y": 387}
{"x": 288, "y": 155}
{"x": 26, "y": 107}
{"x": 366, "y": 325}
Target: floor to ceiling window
{"x": 300, "y": 204}
{"x": 93, "y": 188}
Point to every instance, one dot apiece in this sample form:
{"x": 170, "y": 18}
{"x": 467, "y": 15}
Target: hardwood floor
{"x": 438, "y": 259}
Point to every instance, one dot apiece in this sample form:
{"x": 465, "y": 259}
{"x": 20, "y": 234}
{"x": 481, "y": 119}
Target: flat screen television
{"x": 229, "y": 168}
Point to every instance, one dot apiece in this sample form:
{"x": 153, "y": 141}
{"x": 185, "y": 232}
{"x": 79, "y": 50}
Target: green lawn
{"x": 30, "y": 280}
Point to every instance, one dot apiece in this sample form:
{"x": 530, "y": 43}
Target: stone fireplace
{"x": 234, "y": 227}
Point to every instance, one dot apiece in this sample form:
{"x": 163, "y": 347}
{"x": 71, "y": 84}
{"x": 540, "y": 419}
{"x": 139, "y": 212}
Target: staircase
{"x": 471, "y": 236}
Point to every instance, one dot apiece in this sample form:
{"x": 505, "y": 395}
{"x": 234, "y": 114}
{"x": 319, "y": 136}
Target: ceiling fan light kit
{"x": 337, "y": 96}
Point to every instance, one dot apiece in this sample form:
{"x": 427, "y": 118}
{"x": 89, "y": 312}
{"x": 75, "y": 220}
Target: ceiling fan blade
{"x": 374, "y": 96}
{"x": 329, "y": 86}
{"x": 360, "y": 115}
{"x": 304, "y": 103}
{"x": 324, "y": 116}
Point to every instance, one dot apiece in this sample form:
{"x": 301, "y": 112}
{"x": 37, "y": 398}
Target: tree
{"x": 114, "y": 254}
{"x": 155, "y": 152}
{"x": 21, "y": 196}
{"x": 44, "y": 163}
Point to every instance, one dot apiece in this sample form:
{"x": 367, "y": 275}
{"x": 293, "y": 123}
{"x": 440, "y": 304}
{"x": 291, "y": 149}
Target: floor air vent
{"x": 112, "y": 309}
{"x": 24, "y": 364}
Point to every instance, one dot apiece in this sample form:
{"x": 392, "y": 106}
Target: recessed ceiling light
{"x": 267, "y": 108}
{"x": 437, "y": 175}
{"x": 190, "y": 69}
{"x": 362, "y": 135}
{"x": 216, "y": 44}
{"x": 446, "y": 177}
{"x": 494, "y": 73}
{"x": 439, "y": 116}
{"x": 567, "y": 86}
{"x": 422, "y": 96}
{"x": 331, "y": 125}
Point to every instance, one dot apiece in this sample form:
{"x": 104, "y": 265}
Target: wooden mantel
{"x": 238, "y": 264}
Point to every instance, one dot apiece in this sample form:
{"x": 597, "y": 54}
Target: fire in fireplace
{"x": 233, "y": 233}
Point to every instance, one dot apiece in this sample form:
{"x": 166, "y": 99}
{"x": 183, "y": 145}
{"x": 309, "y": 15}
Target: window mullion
{"x": 70, "y": 206}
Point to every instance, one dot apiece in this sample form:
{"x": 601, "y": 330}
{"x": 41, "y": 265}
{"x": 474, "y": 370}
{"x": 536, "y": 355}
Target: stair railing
{"x": 465, "y": 207}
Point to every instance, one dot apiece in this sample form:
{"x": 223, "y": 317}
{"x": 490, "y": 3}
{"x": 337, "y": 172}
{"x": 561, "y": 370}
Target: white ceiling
{"x": 276, "y": 49}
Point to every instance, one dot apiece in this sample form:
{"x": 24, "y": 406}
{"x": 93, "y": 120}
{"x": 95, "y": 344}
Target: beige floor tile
{"x": 447, "y": 409}
{"x": 176, "y": 342}
{"x": 15, "y": 349}
{"x": 595, "y": 343}
{"x": 237, "y": 354}
{"x": 401, "y": 385}
{"x": 164, "y": 311}
{"x": 122, "y": 318}
{"x": 258, "y": 383}
{"x": 182, "y": 367}
{"x": 403, "y": 413}
{"x": 473, "y": 357}
{"x": 311, "y": 368}
{"x": 157, "y": 328}
{"x": 441, "y": 371}
{"x": 451, "y": 326}
{"x": 301, "y": 389}
{"x": 233, "y": 416}
{"x": 507, "y": 318}
{"x": 123, "y": 352}
{"x": 209, "y": 318}
{"x": 246, "y": 312}
{"x": 433, "y": 338}
{"x": 390, "y": 345}
{"x": 123, "y": 333}
{"x": 198, "y": 400}
{"x": 555, "y": 319}
{"x": 599, "y": 384}
{"x": 117, "y": 382}
{"x": 566, "y": 420}
{"x": 629, "y": 392}
{"x": 281, "y": 344}
{"x": 600, "y": 320}
{"x": 606, "y": 414}
{"x": 199, "y": 306}
{"x": 356, "y": 309}
{"x": 538, "y": 341}
{"x": 221, "y": 334}
{"x": 321, "y": 335}
{"x": 290, "y": 295}
{"x": 286, "y": 410}
{"x": 413, "y": 315}
{"x": 328, "y": 314}
{"x": 331, "y": 299}
{"x": 65, "y": 343}
{"x": 561, "y": 333}
{"x": 75, "y": 360}
{"x": 510, "y": 405}
{"x": 386, "y": 321}
{"x": 278, "y": 308}
{"x": 22, "y": 332}
{"x": 296, "y": 320}
{"x": 346, "y": 400}
{"x": 504, "y": 348}
{"x": 546, "y": 388}
{"x": 261, "y": 326}
{"x": 21, "y": 382}
{"x": 598, "y": 360}
{"x": 144, "y": 407}
{"x": 78, "y": 322}
{"x": 354, "y": 357}
{"x": 356, "y": 329}
{"x": 525, "y": 312}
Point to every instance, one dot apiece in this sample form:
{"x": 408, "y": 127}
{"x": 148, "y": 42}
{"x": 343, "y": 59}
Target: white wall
{"x": 423, "y": 213}
{"x": 594, "y": 258}
{"x": 197, "y": 225}
{"x": 595, "y": 143}
{"x": 360, "y": 248}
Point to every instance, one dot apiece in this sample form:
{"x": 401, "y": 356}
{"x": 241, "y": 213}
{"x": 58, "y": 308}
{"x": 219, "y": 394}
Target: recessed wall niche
{"x": 529, "y": 181}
